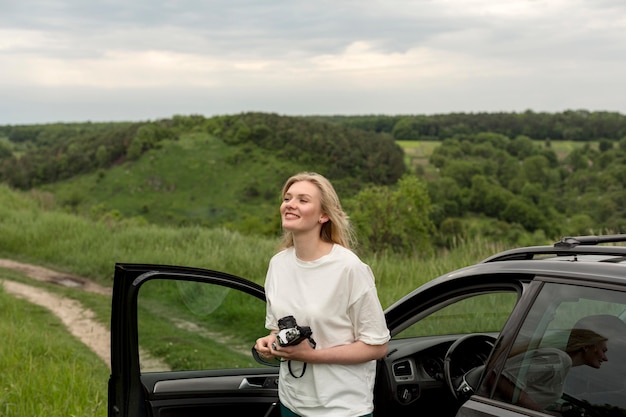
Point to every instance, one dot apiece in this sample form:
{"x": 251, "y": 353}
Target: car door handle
{"x": 259, "y": 382}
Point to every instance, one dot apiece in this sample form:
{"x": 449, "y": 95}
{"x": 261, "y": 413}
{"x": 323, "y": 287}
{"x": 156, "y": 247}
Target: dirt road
{"x": 78, "y": 319}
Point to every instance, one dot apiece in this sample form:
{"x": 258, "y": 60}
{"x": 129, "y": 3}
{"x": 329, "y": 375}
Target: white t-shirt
{"x": 336, "y": 297}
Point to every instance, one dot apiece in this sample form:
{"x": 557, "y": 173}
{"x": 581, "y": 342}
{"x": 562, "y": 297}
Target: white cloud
{"x": 294, "y": 56}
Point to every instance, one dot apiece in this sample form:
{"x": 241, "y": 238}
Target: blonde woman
{"x": 323, "y": 285}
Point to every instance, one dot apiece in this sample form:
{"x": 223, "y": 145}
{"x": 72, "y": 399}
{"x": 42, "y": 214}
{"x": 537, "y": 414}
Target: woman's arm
{"x": 356, "y": 352}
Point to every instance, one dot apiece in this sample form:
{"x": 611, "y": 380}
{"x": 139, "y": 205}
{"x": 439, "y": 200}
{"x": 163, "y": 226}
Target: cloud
{"x": 341, "y": 56}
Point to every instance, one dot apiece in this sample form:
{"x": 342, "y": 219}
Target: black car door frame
{"x": 129, "y": 391}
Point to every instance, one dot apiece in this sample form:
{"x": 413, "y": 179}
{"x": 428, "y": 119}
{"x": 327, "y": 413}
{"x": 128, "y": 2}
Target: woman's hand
{"x": 302, "y": 352}
{"x": 263, "y": 346}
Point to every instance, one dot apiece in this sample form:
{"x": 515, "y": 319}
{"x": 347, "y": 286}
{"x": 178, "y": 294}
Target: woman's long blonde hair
{"x": 338, "y": 228}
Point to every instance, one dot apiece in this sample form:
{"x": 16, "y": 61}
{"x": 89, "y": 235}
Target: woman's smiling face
{"x": 301, "y": 209}
{"x": 595, "y": 354}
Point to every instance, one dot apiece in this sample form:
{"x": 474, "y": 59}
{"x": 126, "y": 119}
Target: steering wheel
{"x": 464, "y": 363}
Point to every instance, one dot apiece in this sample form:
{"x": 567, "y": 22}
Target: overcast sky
{"x": 136, "y": 60}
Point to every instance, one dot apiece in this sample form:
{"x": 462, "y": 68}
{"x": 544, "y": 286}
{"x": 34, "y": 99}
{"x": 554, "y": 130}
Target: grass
{"x": 45, "y": 371}
{"x": 562, "y": 148}
{"x": 77, "y": 245}
{"x": 417, "y": 154}
{"x": 90, "y": 249}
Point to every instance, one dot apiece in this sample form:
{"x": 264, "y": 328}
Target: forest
{"x": 571, "y": 125}
{"x": 495, "y": 175}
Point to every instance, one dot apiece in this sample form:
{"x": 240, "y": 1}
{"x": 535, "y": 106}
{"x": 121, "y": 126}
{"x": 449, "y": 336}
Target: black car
{"x": 474, "y": 342}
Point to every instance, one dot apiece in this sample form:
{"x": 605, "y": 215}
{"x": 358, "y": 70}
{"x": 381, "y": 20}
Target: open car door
{"x": 181, "y": 344}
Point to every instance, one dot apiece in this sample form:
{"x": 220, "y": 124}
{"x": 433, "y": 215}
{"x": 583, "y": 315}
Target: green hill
{"x": 225, "y": 171}
{"x": 197, "y": 179}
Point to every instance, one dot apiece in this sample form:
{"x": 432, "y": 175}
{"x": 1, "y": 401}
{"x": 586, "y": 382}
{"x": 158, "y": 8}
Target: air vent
{"x": 403, "y": 370}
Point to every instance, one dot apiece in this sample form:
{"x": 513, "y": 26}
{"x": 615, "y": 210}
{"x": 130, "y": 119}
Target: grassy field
{"x": 45, "y": 370}
{"x": 418, "y": 152}
{"x": 90, "y": 249}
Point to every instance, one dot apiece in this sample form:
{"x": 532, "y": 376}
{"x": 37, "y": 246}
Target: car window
{"x": 570, "y": 353}
{"x": 188, "y": 325}
{"x": 482, "y": 313}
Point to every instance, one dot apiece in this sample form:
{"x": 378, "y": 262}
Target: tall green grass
{"x": 72, "y": 244}
{"x": 46, "y": 371}
{"x": 31, "y": 233}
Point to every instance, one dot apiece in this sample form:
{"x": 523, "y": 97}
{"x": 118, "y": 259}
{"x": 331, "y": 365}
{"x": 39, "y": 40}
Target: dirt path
{"x": 79, "y": 320}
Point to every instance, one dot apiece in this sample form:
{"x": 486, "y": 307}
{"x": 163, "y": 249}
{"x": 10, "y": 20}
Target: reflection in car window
{"x": 187, "y": 325}
{"x": 483, "y": 313}
{"x": 570, "y": 353}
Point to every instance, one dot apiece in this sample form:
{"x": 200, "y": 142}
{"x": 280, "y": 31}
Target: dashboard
{"x": 413, "y": 374}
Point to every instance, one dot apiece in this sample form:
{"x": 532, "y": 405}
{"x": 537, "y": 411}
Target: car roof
{"x": 576, "y": 248}
{"x": 573, "y": 258}
{"x": 581, "y": 257}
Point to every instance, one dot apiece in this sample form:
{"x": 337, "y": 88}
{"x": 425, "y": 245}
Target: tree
{"x": 148, "y": 137}
{"x": 394, "y": 220}
{"x": 487, "y": 197}
{"x": 102, "y": 156}
{"x": 5, "y": 150}
{"x": 414, "y": 128}
{"x": 521, "y": 147}
{"x": 536, "y": 169}
{"x": 577, "y": 159}
{"x": 605, "y": 145}
{"x": 462, "y": 171}
{"x": 521, "y": 212}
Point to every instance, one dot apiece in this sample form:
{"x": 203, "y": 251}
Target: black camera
{"x": 291, "y": 334}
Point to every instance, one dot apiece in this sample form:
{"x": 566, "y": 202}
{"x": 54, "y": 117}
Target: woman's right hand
{"x": 263, "y": 346}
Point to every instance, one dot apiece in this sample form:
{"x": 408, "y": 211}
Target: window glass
{"x": 570, "y": 353}
{"x": 187, "y": 325}
{"x": 482, "y": 313}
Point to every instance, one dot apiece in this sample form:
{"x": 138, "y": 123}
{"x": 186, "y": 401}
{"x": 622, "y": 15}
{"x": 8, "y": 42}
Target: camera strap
{"x": 313, "y": 345}
{"x": 291, "y": 372}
